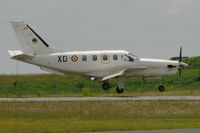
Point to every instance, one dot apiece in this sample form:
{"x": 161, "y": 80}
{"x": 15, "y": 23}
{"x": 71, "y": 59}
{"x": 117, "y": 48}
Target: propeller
{"x": 181, "y": 65}
{"x": 180, "y": 60}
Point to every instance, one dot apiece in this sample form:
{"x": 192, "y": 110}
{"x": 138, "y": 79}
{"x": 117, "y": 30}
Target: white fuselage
{"x": 103, "y": 63}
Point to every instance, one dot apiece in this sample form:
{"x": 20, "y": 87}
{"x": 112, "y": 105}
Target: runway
{"x": 157, "y": 131}
{"x": 102, "y": 99}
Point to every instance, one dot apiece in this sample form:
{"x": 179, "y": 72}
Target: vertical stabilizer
{"x": 30, "y": 42}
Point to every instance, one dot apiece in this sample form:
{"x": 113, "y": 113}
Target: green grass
{"x": 73, "y": 85}
{"x": 98, "y": 116}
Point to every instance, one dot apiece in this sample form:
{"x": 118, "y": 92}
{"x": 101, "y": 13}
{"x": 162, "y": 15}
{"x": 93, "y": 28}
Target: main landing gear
{"x": 161, "y": 88}
{"x": 119, "y": 88}
{"x": 106, "y": 86}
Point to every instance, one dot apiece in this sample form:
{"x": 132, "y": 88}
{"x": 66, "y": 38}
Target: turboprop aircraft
{"x": 105, "y": 65}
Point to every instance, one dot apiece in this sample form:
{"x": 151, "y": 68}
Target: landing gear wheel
{"x": 106, "y": 86}
{"x": 161, "y": 88}
{"x": 119, "y": 90}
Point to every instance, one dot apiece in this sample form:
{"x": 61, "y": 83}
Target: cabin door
{"x": 105, "y": 58}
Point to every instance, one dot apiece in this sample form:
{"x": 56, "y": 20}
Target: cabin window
{"x": 115, "y": 57}
{"x": 105, "y": 57}
{"x": 84, "y": 58}
{"x": 94, "y": 57}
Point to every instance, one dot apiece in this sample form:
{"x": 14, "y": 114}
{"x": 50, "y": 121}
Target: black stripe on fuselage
{"x": 38, "y": 36}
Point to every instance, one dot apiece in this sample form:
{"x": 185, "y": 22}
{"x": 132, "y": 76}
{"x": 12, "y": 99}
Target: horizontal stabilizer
{"x": 19, "y": 55}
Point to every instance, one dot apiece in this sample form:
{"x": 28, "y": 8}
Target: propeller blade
{"x": 180, "y": 60}
{"x": 180, "y": 55}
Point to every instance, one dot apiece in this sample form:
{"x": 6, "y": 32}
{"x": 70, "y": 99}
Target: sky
{"x": 148, "y": 28}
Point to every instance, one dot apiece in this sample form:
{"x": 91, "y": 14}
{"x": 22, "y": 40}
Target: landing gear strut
{"x": 120, "y": 87}
{"x": 106, "y": 86}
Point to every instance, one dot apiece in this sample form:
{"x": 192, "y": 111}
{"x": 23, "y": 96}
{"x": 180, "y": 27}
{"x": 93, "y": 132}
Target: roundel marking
{"x": 74, "y": 58}
{"x": 34, "y": 40}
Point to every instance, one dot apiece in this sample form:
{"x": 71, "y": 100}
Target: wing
{"x": 123, "y": 72}
{"x": 120, "y": 73}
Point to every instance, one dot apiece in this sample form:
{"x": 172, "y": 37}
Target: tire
{"x": 119, "y": 90}
{"x": 161, "y": 88}
{"x": 106, "y": 86}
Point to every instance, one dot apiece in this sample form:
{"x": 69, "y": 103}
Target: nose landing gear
{"x": 161, "y": 87}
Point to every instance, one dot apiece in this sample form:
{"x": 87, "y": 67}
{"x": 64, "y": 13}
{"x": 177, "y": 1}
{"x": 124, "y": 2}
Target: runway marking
{"x": 102, "y": 99}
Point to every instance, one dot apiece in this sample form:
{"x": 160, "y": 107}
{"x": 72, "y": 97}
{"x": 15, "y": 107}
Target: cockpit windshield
{"x": 131, "y": 57}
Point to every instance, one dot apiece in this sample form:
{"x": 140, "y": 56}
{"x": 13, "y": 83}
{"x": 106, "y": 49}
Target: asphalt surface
{"x": 101, "y": 99}
{"x": 157, "y": 131}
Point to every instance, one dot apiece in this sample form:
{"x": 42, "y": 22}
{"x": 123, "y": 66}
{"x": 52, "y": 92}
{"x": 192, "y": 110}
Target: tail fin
{"x": 30, "y": 42}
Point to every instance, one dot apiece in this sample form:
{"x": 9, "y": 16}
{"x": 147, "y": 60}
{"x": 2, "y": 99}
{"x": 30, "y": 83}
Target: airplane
{"x": 104, "y": 64}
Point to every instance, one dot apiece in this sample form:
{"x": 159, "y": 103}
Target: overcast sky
{"x": 148, "y": 28}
